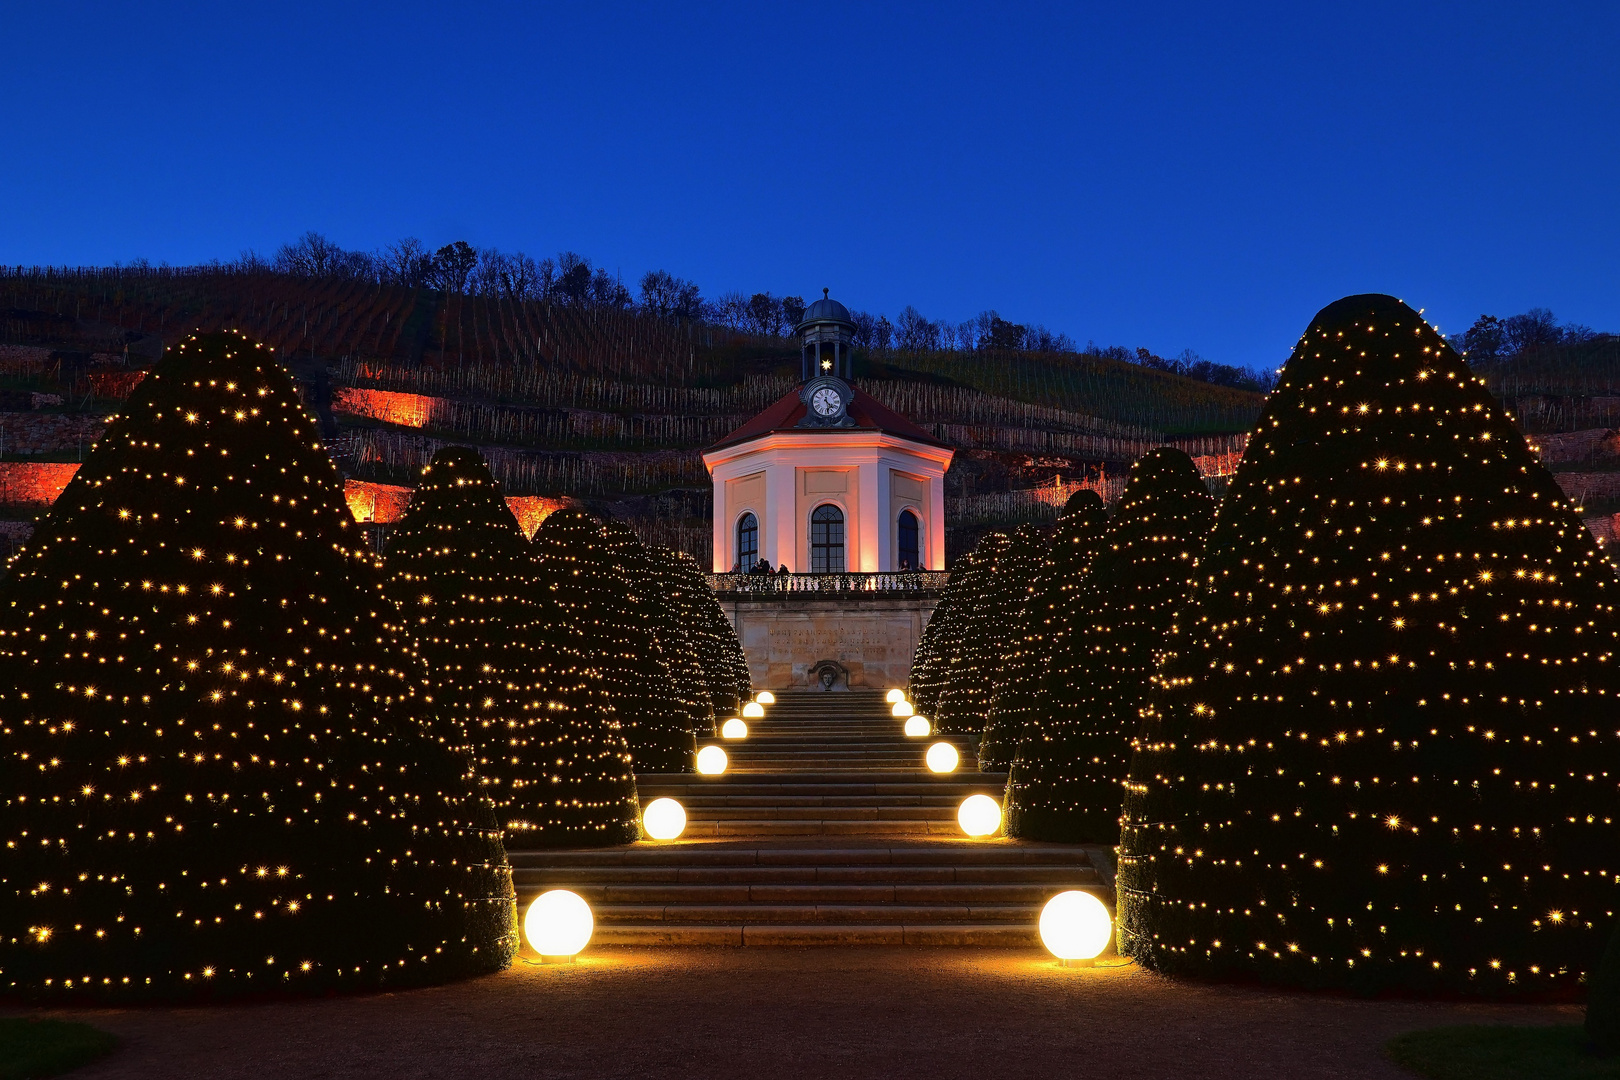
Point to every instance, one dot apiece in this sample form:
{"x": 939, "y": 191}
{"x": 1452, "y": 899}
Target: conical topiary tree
{"x": 686, "y": 642}
{"x": 725, "y": 669}
{"x": 591, "y": 800}
{"x": 215, "y": 781}
{"x": 1001, "y": 637}
{"x": 1387, "y": 756}
{"x": 458, "y": 570}
{"x": 959, "y": 708}
{"x": 1068, "y": 786}
{"x": 927, "y": 667}
{"x": 647, "y": 696}
{"x": 1015, "y": 702}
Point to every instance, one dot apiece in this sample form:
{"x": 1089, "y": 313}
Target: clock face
{"x": 826, "y": 401}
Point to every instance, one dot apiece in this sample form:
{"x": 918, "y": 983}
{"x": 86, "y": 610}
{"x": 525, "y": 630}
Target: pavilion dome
{"x": 825, "y": 310}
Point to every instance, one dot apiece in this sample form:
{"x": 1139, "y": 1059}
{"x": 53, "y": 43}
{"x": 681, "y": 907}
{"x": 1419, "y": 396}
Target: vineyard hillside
{"x": 610, "y": 407}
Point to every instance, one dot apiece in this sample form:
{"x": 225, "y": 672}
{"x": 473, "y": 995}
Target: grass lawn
{"x": 1501, "y": 1053}
{"x": 30, "y": 1048}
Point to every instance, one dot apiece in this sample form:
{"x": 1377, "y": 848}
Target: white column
{"x": 723, "y": 557}
{"x": 778, "y": 539}
{"x": 886, "y": 539}
{"x": 936, "y": 522}
{"x": 871, "y": 523}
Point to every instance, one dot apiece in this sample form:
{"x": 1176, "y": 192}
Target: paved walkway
{"x": 764, "y": 1014}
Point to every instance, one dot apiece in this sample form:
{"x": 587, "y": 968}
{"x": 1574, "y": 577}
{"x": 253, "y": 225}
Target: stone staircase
{"x": 826, "y": 828}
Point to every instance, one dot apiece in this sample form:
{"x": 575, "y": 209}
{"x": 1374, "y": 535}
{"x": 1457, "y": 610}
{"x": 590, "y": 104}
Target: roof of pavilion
{"x": 868, "y": 413}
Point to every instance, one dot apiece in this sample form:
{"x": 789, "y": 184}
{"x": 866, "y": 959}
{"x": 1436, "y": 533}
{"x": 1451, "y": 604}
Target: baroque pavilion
{"x": 828, "y": 479}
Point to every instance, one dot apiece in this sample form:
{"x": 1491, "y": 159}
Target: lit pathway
{"x": 827, "y": 829}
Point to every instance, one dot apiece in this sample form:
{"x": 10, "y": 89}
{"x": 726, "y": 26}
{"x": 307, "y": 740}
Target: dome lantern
{"x": 826, "y": 335}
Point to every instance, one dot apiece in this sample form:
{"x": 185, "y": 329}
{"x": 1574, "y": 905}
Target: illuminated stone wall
{"x": 873, "y": 639}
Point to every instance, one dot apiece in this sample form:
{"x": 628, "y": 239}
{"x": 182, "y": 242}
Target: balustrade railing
{"x": 805, "y": 585}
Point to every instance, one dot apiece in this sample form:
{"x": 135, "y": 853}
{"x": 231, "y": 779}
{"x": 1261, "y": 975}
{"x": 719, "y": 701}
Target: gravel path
{"x": 768, "y": 1013}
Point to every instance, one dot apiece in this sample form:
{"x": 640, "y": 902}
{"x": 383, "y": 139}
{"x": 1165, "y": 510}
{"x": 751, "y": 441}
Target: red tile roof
{"x": 868, "y": 413}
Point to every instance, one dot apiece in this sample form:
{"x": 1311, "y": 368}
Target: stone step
{"x": 669, "y": 892}
{"x": 679, "y": 853}
{"x": 704, "y": 800}
{"x": 1008, "y": 935}
{"x": 554, "y": 876}
{"x": 817, "y": 812}
{"x": 741, "y": 828}
{"x": 847, "y": 914}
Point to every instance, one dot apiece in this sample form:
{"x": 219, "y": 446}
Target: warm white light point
{"x": 901, "y": 709}
{"x": 979, "y": 815}
{"x": 918, "y": 727}
{"x": 1075, "y": 926}
{"x": 559, "y": 923}
{"x": 734, "y": 729}
{"x": 765, "y": 697}
{"x": 711, "y": 761}
{"x": 895, "y": 695}
{"x": 664, "y": 819}
{"x": 942, "y": 758}
{"x": 753, "y": 710}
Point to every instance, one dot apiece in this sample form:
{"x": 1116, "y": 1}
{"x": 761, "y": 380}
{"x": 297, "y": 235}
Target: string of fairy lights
{"x": 249, "y": 756}
{"x": 1371, "y": 735}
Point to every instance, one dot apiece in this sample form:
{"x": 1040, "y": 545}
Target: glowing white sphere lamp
{"x": 753, "y": 710}
{"x": 734, "y": 729}
{"x": 918, "y": 727}
{"x": 558, "y": 925}
{"x": 1075, "y": 927}
{"x": 664, "y": 819}
{"x": 979, "y": 815}
{"x": 765, "y": 697}
{"x": 895, "y": 695}
{"x": 942, "y": 758}
{"x": 711, "y": 760}
{"x": 901, "y": 709}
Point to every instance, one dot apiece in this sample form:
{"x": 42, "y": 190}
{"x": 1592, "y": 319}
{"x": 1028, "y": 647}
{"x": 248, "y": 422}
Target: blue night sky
{"x": 1199, "y": 176}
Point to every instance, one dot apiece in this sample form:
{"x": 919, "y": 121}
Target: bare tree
{"x": 669, "y": 297}
{"x": 453, "y": 265}
{"x": 406, "y": 262}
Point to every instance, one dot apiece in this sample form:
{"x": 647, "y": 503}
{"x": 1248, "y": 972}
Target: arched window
{"x": 748, "y": 542}
{"x": 827, "y": 540}
{"x": 909, "y": 555}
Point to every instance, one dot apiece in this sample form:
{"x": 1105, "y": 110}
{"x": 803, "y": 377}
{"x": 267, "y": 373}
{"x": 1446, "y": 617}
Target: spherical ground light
{"x": 664, "y": 819}
{"x": 942, "y": 758}
{"x": 1075, "y": 926}
{"x": 901, "y": 709}
{"x": 979, "y": 815}
{"x": 711, "y": 760}
{"x": 558, "y": 925}
{"x": 765, "y": 697}
{"x": 734, "y": 729}
{"x": 918, "y": 727}
{"x": 753, "y": 710}
{"x": 895, "y": 695}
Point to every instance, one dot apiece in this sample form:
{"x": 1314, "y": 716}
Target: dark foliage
{"x": 217, "y": 783}
{"x": 1015, "y": 703}
{"x": 684, "y": 641}
{"x": 458, "y": 569}
{"x": 1068, "y": 785}
{"x": 593, "y": 788}
{"x": 1001, "y": 637}
{"x": 959, "y": 708}
{"x": 720, "y": 655}
{"x": 1603, "y": 999}
{"x": 1387, "y": 755}
{"x": 649, "y": 684}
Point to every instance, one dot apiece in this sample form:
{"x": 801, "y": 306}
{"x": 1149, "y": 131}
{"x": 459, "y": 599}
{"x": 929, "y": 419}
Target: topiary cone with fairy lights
{"x": 592, "y": 796}
{"x": 958, "y": 667}
{"x": 1387, "y": 756}
{"x": 655, "y": 717}
{"x": 927, "y": 660}
{"x": 217, "y": 783}
{"x": 458, "y": 569}
{"x": 1016, "y": 701}
{"x": 1068, "y": 783}
{"x": 1012, "y": 591}
{"x": 682, "y": 640}
{"x": 720, "y": 654}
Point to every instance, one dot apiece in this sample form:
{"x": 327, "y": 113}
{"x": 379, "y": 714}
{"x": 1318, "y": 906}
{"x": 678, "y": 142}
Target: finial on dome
{"x": 824, "y": 292}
